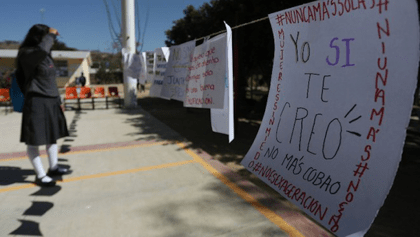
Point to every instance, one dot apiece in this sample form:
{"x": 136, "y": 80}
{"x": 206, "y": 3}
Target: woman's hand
{"x": 53, "y": 31}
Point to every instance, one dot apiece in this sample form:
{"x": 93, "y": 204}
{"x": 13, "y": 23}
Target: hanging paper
{"x": 339, "y": 104}
{"x": 222, "y": 119}
{"x": 177, "y": 70}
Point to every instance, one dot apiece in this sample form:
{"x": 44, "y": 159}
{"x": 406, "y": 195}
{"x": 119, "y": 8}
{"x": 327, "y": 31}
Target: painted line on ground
{"x": 115, "y": 148}
{"x": 102, "y": 175}
{"x": 15, "y": 188}
{"x": 154, "y": 167}
{"x": 91, "y": 149}
{"x": 269, "y": 214}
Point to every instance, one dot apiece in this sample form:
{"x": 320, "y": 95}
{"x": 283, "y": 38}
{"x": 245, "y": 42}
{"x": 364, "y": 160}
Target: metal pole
{"x": 129, "y": 44}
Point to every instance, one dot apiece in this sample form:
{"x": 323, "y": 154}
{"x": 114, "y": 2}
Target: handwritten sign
{"x": 340, "y": 100}
{"x": 160, "y": 62}
{"x": 206, "y": 77}
{"x": 177, "y": 70}
{"x": 222, "y": 119}
{"x": 150, "y": 62}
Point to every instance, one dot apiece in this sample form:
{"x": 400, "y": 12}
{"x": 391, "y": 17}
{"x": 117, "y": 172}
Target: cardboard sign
{"x": 177, "y": 70}
{"x": 160, "y": 61}
{"x": 206, "y": 77}
{"x": 340, "y": 100}
{"x": 222, "y": 119}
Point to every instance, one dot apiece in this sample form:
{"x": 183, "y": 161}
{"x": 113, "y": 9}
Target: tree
{"x": 109, "y": 67}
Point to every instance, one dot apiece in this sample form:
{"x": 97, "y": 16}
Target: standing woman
{"x": 43, "y": 120}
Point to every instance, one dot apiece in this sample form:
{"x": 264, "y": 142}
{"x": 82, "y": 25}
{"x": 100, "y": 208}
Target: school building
{"x": 69, "y": 64}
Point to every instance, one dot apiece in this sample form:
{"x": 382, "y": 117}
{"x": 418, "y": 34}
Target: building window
{"x": 61, "y": 68}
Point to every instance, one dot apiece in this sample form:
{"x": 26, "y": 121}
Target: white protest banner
{"x": 206, "y": 78}
{"x": 143, "y": 74}
{"x": 166, "y": 52}
{"x": 177, "y": 70}
{"x": 340, "y": 100}
{"x": 150, "y": 62}
{"x": 161, "y": 54}
{"x": 222, "y": 119}
{"x": 132, "y": 64}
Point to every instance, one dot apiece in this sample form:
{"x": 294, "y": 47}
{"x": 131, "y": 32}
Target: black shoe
{"x": 39, "y": 182}
{"x": 57, "y": 172}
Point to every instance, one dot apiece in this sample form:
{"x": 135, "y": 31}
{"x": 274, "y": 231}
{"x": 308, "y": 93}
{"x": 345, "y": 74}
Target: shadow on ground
{"x": 170, "y": 216}
{"x": 11, "y": 175}
{"x": 193, "y": 125}
{"x": 398, "y": 216}
{"x": 72, "y": 128}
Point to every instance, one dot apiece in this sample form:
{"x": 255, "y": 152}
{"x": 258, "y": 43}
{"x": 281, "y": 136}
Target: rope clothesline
{"x": 235, "y": 27}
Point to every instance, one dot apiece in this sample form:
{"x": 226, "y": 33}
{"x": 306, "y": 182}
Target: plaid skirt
{"x": 43, "y": 121}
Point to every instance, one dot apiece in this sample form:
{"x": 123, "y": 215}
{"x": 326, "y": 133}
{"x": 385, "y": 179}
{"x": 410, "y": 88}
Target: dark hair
{"x": 33, "y": 38}
{"x": 35, "y": 35}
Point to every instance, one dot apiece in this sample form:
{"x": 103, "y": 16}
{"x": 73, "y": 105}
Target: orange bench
{"x": 86, "y": 93}
{"x": 71, "y": 94}
{"x": 99, "y": 92}
{"x": 5, "y": 97}
{"x": 113, "y": 93}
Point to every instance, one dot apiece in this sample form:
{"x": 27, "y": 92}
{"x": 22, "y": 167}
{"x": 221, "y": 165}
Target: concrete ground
{"x": 133, "y": 176}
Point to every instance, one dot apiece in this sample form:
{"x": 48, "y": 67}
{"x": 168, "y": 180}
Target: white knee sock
{"x": 33, "y": 153}
{"x": 52, "y": 150}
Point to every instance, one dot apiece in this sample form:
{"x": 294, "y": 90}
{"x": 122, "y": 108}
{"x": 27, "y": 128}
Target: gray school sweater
{"x": 38, "y": 67}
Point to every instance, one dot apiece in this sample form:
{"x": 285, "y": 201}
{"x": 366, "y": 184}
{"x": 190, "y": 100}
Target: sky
{"x": 83, "y": 24}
